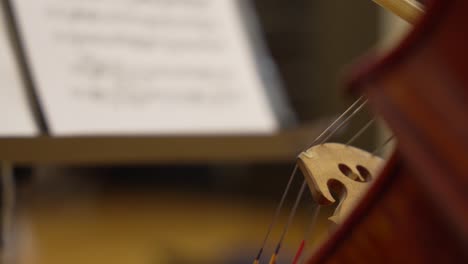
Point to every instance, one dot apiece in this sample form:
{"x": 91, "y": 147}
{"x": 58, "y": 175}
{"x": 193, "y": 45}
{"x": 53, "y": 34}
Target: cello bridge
{"x": 333, "y": 168}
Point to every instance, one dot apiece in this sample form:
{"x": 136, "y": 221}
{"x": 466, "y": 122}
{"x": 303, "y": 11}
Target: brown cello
{"x": 417, "y": 210}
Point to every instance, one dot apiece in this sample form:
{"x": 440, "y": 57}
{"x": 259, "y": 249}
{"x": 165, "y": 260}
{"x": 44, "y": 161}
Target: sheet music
{"x": 143, "y": 67}
{"x": 16, "y": 119}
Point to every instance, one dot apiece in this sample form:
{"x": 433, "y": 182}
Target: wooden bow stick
{"x": 408, "y": 10}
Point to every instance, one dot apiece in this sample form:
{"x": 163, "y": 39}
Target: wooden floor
{"x": 122, "y": 228}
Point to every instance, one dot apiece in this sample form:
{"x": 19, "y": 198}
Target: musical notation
{"x": 141, "y": 66}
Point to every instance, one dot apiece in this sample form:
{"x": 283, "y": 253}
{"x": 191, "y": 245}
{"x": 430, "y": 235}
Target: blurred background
{"x": 144, "y": 205}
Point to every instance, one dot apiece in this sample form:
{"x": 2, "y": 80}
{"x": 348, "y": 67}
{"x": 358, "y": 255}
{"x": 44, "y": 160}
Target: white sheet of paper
{"x": 16, "y": 119}
{"x": 143, "y": 67}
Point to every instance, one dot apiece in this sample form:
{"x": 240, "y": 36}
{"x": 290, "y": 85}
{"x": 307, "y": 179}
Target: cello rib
{"x": 417, "y": 211}
{"x": 396, "y": 223}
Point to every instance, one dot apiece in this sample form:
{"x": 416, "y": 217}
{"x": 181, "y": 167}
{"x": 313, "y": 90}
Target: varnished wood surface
{"x": 397, "y": 223}
{"x": 283, "y": 146}
{"x": 421, "y": 89}
{"x": 417, "y": 212}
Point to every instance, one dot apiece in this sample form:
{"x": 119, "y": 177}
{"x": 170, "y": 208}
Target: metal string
{"x": 332, "y": 125}
{"x": 288, "y": 223}
{"x": 299, "y": 255}
{"x": 359, "y": 108}
{"x": 382, "y": 146}
{"x": 276, "y": 215}
{"x": 288, "y": 185}
{"x": 359, "y": 133}
{"x": 331, "y": 130}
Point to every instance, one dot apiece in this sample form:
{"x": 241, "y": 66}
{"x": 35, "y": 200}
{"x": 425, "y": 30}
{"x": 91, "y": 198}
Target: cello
{"x": 416, "y": 210}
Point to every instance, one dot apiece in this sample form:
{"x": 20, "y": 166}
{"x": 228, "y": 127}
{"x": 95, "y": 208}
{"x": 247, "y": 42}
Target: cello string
{"x": 304, "y": 183}
{"x": 382, "y": 146}
{"x": 337, "y": 128}
{"x": 359, "y": 133}
{"x": 288, "y": 185}
{"x": 332, "y": 125}
{"x": 303, "y": 243}
{"x": 276, "y": 215}
{"x": 288, "y": 223}
{"x": 298, "y": 258}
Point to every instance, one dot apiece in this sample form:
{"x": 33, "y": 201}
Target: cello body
{"x": 417, "y": 209}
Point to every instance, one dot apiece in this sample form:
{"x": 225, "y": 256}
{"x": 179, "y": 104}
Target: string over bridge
{"x": 333, "y": 168}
